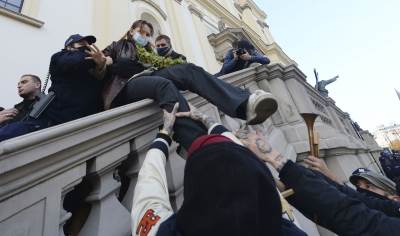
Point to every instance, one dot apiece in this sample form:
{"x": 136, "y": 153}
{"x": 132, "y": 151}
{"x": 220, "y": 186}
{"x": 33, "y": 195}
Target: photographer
{"x": 240, "y": 57}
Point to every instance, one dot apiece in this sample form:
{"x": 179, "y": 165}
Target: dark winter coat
{"x": 78, "y": 92}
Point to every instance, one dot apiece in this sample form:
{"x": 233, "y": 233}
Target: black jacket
{"x": 387, "y": 206}
{"x": 339, "y": 212}
{"x": 78, "y": 92}
{"x": 175, "y": 55}
{"x": 24, "y": 108}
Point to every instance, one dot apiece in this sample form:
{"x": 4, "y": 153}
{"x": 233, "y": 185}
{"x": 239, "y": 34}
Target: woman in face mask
{"x": 122, "y": 62}
{"x": 130, "y": 56}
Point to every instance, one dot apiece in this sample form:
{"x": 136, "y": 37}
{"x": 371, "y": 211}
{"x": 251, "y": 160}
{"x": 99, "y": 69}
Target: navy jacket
{"x": 387, "y": 206}
{"x": 231, "y": 65}
{"x": 78, "y": 92}
{"x": 339, "y": 212}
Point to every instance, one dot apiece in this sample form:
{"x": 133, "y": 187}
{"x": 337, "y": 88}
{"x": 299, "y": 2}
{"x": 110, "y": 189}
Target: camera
{"x": 240, "y": 51}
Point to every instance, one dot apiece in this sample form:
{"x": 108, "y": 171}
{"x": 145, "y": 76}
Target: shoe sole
{"x": 264, "y": 108}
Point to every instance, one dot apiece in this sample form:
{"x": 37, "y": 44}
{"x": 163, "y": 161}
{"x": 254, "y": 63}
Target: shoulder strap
{"x": 46, "y": 81}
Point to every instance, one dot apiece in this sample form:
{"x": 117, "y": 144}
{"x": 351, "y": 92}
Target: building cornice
{"x": 155, "y": 6}
{"x": 257, "y": 10}
{"x": 195, "y": 11}
{"x": 234, "y": 22}
{"x": 249, "y": 4}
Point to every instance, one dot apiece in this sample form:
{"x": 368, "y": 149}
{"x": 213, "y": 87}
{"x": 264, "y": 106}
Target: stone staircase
{"x": 90, "y": 166}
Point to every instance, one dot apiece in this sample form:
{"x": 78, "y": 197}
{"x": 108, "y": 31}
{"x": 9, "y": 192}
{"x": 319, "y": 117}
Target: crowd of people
{"x": 87, "y": 80}
{"x": 229, "y": 189}
{"x": 228, "y": 186}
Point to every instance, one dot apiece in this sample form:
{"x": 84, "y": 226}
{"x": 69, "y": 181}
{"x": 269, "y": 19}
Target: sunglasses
{"x": 161, "y": 45}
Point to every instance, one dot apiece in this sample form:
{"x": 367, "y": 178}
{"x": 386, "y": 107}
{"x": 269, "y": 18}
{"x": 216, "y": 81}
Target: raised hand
{"x": 259, "y": 145}
{"x": 8, "y": 114}
{"x": 169, "y": 119}
{"x": 195, "y": 114}
{"x": 319, "y": 165}
{"x": 96, "y": 55}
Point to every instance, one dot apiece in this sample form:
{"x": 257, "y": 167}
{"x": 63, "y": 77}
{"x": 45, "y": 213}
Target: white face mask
{"x": 141, "y": 40}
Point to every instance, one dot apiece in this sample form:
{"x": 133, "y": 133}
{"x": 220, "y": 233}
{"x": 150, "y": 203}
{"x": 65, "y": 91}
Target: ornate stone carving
{"x": 221, "y": 25}
{"x": 195, "y": 11}
{"x": 263, "y": 24}
{"x": 321, "y": 84}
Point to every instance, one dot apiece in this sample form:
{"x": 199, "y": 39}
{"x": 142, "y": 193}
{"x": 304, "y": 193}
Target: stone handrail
{"x": 37, "y": 170}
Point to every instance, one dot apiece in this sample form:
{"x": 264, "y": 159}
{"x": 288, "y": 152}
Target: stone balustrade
{"x": 79, "y": 177}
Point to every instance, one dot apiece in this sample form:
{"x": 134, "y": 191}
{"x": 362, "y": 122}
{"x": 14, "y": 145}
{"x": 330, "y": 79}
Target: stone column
{"x": 276, "y": 83}
{"x": 107, "y": 216}
{"x": 65, "y": 215}
{"x": 182, "y": 25}
{"x": 211, "y": 64}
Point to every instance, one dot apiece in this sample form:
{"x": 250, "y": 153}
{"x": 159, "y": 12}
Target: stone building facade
{"x": 387, "y": 136}
{"x": 38, "y": 170}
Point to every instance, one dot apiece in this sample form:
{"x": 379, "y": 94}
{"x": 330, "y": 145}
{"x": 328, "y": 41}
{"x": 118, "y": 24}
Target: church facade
{"x": 93, "y": 148}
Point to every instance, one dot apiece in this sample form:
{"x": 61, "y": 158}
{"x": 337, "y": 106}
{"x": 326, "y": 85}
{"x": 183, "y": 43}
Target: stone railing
{"x": 38, "y": 170}
{"x": 79, "y": 177}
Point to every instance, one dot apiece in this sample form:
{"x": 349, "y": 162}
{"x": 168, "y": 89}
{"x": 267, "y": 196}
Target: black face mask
{"x": 163, "y": 51}
{"x": 83, "y": 49}
{"x": 371, "y": 194}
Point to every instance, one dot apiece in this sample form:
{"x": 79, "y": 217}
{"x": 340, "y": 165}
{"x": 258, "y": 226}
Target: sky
{"x": 359, "y": 40}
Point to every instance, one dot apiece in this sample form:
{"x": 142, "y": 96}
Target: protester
{"x": 321, "y": 201}
{"x": 164, "y": 48}
{"x": 241, "y": 56}
{"x": 162, "y": 85}
{"x": 241, "y": 201}
{"x": 386, "y": 205}
{"x": 367, "y": 182}
{"x": 390, "y": 163}
{"x": 74, "y": 81}
{"x": 28, "y": 89}
{"x": 374, "y": 184}
{"x": 74, "y": 71}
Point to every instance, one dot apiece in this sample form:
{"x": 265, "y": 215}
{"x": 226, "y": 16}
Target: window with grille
{"x": 12, "y": 5}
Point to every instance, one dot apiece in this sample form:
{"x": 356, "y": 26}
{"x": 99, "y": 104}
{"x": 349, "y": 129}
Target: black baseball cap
{"x": 77, "y": 37}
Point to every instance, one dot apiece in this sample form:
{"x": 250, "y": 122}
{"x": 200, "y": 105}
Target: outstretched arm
{"x": 151, "y": 205}
{"x": 331, "y": 80}
{"x": 321, "y": 201}
{"x": 70, "y": 62}
{"x": 212, "y": 125}
{"x": 259, "y": 58}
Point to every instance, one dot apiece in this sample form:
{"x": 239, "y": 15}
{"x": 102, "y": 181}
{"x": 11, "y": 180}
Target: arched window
{"x": 157, "y": 28}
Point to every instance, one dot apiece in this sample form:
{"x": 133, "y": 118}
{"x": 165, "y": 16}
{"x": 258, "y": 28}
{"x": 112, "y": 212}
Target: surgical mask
{"x": 140, "y": 39}
{"x": 163, "y": 51}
